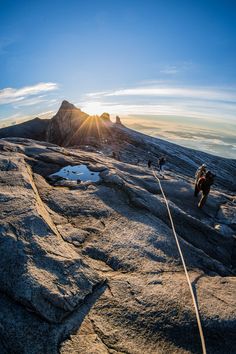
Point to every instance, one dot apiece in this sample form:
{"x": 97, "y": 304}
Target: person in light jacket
{"x": 201, "y": 171}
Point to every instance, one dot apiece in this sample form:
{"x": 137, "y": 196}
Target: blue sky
{"x": 153, "y": 57}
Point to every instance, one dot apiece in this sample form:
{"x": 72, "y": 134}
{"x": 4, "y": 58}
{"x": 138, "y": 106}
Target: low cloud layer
{"x": 211, "y": 137}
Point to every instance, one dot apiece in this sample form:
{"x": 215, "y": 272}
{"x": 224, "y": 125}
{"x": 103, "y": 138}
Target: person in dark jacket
{"x": 149, "y": 163}
{"x": 204, "y": 185}
{"x": 161, "y": 163}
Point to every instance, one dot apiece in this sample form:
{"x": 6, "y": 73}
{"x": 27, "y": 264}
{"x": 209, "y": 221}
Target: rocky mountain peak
{"x": 69, "y": 126}
{"x": 65, "y": 105}
{"x": 65, "y": 123}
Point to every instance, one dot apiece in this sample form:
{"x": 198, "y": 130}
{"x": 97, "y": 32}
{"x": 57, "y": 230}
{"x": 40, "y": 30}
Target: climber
{"x": 161, "y": 162}
{"x": 149, "y": 163}
{"x": 201, "y": 171}
{"x": 204, "y": 185}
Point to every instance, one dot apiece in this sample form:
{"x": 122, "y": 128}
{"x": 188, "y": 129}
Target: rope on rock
{"x": 185, "y": 268}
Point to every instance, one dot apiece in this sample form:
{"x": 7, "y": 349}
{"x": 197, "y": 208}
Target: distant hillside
{"x": 32, "y": 129}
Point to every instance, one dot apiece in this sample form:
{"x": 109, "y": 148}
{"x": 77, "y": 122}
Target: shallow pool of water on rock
{"x": 79, "y": 172}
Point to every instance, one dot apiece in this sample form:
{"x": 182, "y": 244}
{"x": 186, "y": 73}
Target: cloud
{"x": 36, "y": 100}
{"x": 176, "y": 69}
{"x": 170, "y": 70}
{"x": 46, "y": 114}
{"x": 97, "y": 94}
{"x": 11, "y": 95}
{"x": 160, "y": 99}
{"x": 171, "y": 109}
{"x": 218, "y": 139}
{"x": 174, "y": 92}
{"x": 30, "y": 101}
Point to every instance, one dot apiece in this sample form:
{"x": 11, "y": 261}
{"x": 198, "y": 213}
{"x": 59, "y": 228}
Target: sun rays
{"x": 91, "y": 127}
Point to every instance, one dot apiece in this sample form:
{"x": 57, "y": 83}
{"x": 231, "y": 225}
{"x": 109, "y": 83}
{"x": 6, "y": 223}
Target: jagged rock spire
{"x": 67, "y": 106}
{"x": 118, "y": 120}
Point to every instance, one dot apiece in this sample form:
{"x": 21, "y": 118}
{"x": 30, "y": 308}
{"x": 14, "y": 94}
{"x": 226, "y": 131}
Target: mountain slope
{"x": 99, "y": 261}
{"x": 32, "y": 129}
{"x": 93, "y": 267}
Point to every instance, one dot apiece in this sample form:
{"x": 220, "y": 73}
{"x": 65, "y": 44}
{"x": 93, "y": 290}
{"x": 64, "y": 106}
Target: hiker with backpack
{"x": 161, "y": 163}
{"x": 204, "y": 185}
{"x": 149, "y": 163}
{"x": 201, "y": 171}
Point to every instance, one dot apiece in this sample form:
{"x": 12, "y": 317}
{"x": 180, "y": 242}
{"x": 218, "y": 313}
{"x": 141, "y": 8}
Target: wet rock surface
{"x": 94, "y": 268}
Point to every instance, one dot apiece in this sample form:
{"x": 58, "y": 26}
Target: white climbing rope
{"x": 185, "y": 268}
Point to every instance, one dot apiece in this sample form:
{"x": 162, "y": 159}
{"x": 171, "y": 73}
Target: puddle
{"x": 79, "y": 172}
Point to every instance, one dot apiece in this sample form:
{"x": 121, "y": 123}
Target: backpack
{"x": 199, "y": 173}
{"x": 201, "y": 182}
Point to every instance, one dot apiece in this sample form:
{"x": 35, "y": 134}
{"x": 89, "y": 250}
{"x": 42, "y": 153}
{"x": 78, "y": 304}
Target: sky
{"x": 152, "y": 58}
